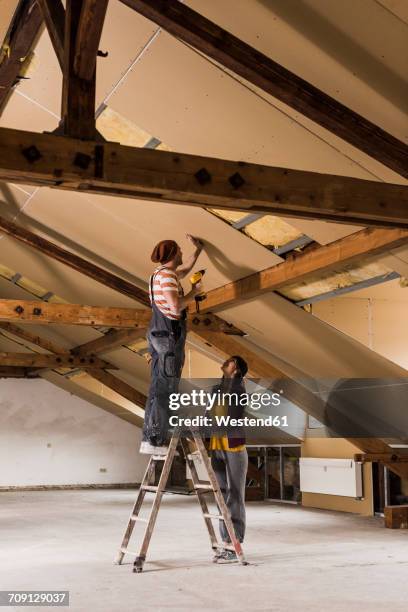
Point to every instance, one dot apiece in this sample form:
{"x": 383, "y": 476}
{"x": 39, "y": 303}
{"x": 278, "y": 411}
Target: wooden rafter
{"x": 20, "y": 40}
{"x": 110, "y": 168}
{"x": 120, "y": 386}
{"x": 88, "y": 37}
{"x": 74, "y": 261}
{"x": 36, "y": 312}
{"x": 192, "y": 28}
{"x": 29, "y": 360}
{"x": 367, "y": 243}
{"x": 54, "y": 16}
{"x": 112, "y": 340}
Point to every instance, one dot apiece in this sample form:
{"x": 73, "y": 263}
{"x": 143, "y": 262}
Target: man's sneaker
{"x": 227, "y": 556}
{"x": 217, "y": 555}
{"x": 149, "y": 449}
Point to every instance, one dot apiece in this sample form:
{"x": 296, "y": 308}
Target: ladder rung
{"x": 202, "y": 485}
{"x": 149, "y": 488}
{"x": 159, "y": 457}
{"x": 213, "y": 516}
{"x": 134, "y": 517}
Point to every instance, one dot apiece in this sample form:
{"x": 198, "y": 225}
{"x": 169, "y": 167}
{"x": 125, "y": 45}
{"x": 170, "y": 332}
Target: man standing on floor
{"x": 166, "y": 337}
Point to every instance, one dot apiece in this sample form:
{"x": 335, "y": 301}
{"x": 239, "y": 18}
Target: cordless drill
{"x": 194, "y": 279}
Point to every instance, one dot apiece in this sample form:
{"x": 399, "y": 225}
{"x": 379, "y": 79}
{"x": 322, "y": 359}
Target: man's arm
{"x": 186, "y": 267}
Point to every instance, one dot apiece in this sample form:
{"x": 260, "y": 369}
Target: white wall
{"x": 50, "y": 437}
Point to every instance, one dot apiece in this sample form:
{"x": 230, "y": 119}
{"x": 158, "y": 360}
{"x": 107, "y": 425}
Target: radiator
{"x": 331, "y": 476}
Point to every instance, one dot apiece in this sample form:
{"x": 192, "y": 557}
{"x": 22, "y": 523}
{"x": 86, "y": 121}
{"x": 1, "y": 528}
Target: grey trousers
{"x": 230, "y": 469}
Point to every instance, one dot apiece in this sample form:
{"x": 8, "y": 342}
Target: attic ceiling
{"x": 154, "y": 91}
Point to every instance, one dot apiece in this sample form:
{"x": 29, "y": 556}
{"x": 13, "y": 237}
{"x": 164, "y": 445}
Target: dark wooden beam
{"x": 192, "y": 28}
{"x": 74, "y": 261}
{"x": 112, "y": 340}
{"x": 78, "y": 94}
{"x": 120, "y": 387}
{"x": 88, "y": 37}
{"x": 21, "y": 37}
{"x": 54, "y": 16}
{"x": 36, "y": 312}
{"x": 39, "y": 360}
{"x": 110, "y": 168}
{"x": 362, "y": 245}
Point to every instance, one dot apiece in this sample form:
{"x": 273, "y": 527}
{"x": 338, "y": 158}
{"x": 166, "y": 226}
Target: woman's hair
{"x": 164, "y": 251}
{"x": 241, "y": 365}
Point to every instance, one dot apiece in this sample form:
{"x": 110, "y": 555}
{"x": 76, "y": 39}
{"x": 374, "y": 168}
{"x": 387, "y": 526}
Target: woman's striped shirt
{"x": 165, "y": 282}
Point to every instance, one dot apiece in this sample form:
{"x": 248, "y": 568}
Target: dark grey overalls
{"x": 166, "y": 338}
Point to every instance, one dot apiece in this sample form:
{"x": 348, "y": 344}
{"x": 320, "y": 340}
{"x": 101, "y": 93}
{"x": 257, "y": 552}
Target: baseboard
{"x": 126, "y": 485}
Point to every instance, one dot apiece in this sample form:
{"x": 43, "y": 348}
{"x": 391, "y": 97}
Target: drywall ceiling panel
{"x": 349, "y": 315}
{"x": 391, "y": 291}
{"x": 399, "y": 8}
{"x": 306, "y": 343}
{"x": 7, "y": 8}
{"x": 12, "y": 200}
{"x": 124, "y": 232}
{"x": 396, "y": 264}
{"x": 318, "y": 41}
{"x": 124, "y": 35}
{"x": 22, "y": 114}
{"x": 206, "y": 112}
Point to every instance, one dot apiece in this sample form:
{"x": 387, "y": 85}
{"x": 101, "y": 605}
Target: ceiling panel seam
{"x": 282, "y": 112}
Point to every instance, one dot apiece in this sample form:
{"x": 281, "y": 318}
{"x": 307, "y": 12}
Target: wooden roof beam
{"x": 367, "y": 243}
{"x": 192, "y": 28}
{"x": 89, "y": 33}
{"x": 37, "y": 312}
{"x": 39, "y": 360}
{"x": 83, "y": 27}
{"x": 22, "y": 35}
{"x": 111, "y": 168}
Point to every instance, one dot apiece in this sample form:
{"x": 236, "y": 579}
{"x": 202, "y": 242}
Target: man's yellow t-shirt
{"x": 221, "y": 442}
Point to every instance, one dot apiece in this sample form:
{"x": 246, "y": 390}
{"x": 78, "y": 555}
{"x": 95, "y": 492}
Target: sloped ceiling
{"x": 192, "y": 105}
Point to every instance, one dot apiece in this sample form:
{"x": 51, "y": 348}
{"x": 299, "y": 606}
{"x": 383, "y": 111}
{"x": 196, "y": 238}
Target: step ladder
{"x": 201, "y": 490}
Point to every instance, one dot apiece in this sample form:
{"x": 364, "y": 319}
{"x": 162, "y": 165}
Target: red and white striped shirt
{"x": 165, "y": 282}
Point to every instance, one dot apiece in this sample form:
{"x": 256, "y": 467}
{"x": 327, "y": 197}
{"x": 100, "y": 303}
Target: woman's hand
{"x": 197, "y": 243}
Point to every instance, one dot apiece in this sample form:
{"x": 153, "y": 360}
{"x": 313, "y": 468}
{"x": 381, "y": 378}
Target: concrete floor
{"x": 300, "y": 559}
